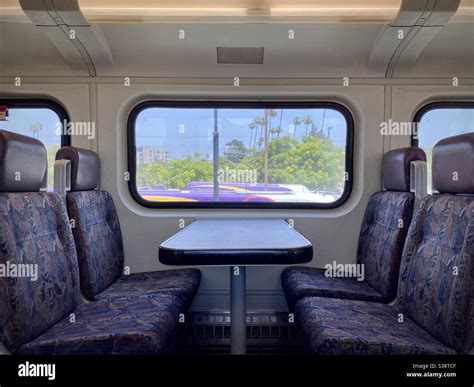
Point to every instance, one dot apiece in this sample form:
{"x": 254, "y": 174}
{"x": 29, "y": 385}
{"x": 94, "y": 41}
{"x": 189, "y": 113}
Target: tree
{"x": 259, "y": 121}
{"x": 307, "y": 120}
{"x": 235, "y": 151}
{"x": 252, "y": 126}
{"x": 296, "y": 122}
{"x": 51, "y": 151}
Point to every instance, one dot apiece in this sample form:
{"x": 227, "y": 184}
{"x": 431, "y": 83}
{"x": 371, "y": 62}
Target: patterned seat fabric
{"x": 35, "y": 315}
{"x": 183, "y": 283}
{"x": 381, "y": 239}
{"x": 434, "y": 309}
{"x": 344, "y": 327}
{"x": 437, "y": 274}
{"x": 380, "y": 248}
{"x": 39, "y": 285}
{"x": 301, "y": 282}
{"x": 34, "y": 231}
{"x": 100, "y": 253}
{"x": 144, "y": 325}
{"x": 98, "y": 239}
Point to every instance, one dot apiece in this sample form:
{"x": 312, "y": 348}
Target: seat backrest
{"x": 437, "y": 272}
{"x": 96, "y": 226}
{"x": 386, "y": 222}
{"x": 39, "y": 284}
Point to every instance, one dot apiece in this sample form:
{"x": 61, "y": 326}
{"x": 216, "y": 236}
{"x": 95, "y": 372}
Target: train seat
{"x": 40, "y": 311}
{"x": 381, "y": 242}
{"x": 99, "y": 241}
{"x": 434, "y": 309}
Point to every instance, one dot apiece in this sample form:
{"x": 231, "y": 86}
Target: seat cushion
{"x": 182, "y": 283}
{"x": 344, "y": 327}
{"x": 299, "y": 282}
{"x": 382, "y": 236}
{"x": 140, "y": 325}
{"x": 36, "y": 238}
{"x": 98, "y": 240}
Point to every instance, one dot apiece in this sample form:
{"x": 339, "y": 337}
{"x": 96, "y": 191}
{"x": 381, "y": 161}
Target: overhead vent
{"x": 240, "y": 55}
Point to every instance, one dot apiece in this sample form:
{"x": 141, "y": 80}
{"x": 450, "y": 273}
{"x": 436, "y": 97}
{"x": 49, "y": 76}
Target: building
{"x": 149, "y": 154}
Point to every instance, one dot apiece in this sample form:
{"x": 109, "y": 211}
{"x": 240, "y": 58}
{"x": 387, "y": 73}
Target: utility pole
{"x": 215, "y": 157}
{"x": 265, "y": 150}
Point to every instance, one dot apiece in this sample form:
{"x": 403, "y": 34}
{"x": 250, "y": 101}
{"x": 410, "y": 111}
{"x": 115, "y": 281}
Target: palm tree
{"x": 252, "y": 126}
{"x": 307, "y": 120}
{"x": 271, "y": 113}
{"x": 259, "y": 121}
{"x": 296, "y": 122}
{"x": 36, "y": 128}
{"x": 274, "y": 131}
{"x": 329, "y": 131}
{"x": 279, "y": 125}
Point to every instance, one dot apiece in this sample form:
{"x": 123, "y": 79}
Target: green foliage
{"x": 51, "y": 152}
{"x": 176, "y": 173}
{"x": 235, "y": 151}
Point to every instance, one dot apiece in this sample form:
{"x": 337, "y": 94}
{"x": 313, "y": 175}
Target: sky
{"x": 160, "y": 127}
{"x": 186, "y": 131}
{"x": 24, "y": 120}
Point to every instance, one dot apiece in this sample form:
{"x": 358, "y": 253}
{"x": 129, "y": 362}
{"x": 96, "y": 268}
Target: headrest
{"x": 85, "y": 167}
{"x": 396, "y": 167}
{"x": 453, "y": 164}
{"x": 23, "y": 163}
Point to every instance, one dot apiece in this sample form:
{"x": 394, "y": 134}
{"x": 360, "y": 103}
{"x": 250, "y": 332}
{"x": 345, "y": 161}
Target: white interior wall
{"x": 108, "y": 102}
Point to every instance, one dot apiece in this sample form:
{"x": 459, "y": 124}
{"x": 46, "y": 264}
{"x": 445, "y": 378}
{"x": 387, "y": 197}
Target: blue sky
{"x": 441, "y": 123}
{"x": 160, "y": 127}
{"x": 23, "y": 120}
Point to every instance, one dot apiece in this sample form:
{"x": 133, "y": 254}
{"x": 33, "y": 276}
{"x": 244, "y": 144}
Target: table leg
{"x": 238, "y": 327}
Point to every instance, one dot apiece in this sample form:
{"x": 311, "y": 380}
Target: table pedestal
{"x": 238, "y": 315}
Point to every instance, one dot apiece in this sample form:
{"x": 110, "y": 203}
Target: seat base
{"x": 299, "y": 282}
{"x": 138, "y": 325}
{"x": 182, "y": 283}
{"x": 343, "y": 327}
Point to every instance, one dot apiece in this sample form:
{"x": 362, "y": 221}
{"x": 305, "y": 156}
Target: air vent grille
{"x": 240, "y": 55}
{"x": 209, "y": 332}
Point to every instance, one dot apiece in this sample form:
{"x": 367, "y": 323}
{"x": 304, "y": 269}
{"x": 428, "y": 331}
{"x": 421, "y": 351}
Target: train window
{"x": 278, "y": 155}
{"x": 41, "y": 119}
{"x": 440, "y": 120}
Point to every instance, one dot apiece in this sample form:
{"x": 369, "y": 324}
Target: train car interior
{"x": 255, "y": 182}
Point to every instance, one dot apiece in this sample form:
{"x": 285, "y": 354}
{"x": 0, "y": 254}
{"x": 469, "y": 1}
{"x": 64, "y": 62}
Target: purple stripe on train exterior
{"x": 238, "y": 192}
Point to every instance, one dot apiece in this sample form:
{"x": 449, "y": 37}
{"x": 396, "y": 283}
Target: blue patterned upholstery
{"x": 34, "y": 231}
{"x": 343, "y": 327}
{"x": 381, "y": 239}
{"x": 299, "y": 282}
{"x": 100, "y": 253}
{"x": 35, "y": 315}
{"x": 435, "y": 294}
{"x": 183, "y": 283}
{"x": 437, "y": 273}
{"x": 380, "y": 248}
{"x": 98, "y": 240}
{"x": 142, "y": 325}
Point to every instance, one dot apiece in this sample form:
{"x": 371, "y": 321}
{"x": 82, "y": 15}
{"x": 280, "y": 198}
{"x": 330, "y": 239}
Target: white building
{"x": 149, "y": 154}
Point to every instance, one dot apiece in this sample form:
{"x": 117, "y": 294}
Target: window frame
{"x": 434, "y": 106}
{"x": 210, "y": 104}
{"x": 37, "y": 103}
